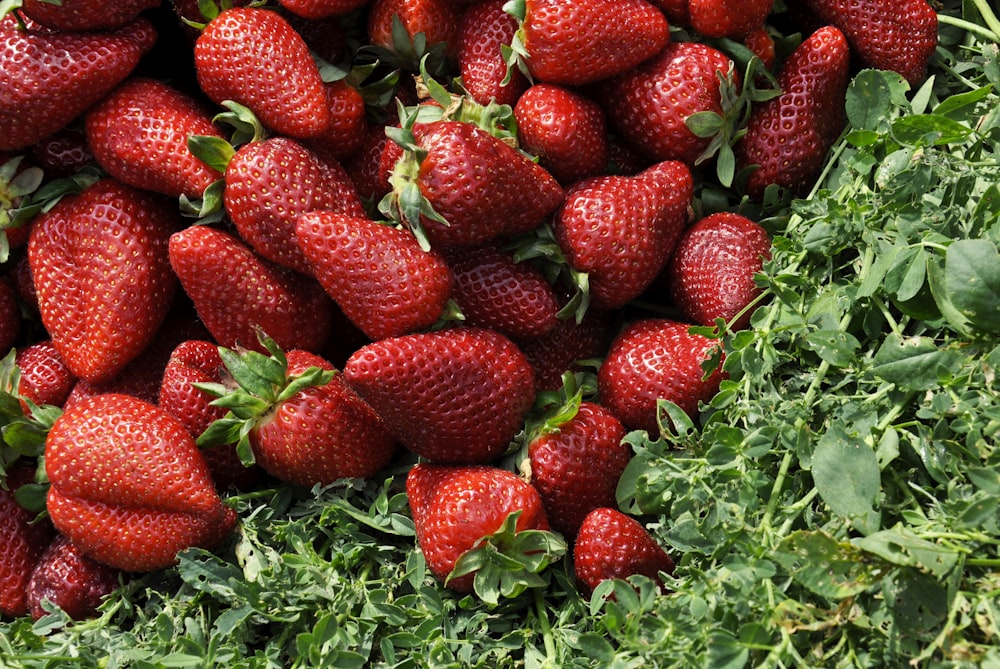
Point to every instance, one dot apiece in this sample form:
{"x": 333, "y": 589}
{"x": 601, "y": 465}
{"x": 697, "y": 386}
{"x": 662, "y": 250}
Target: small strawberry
{"x": 65, "y": 577}
{"x": 349, "y": 123}
{"x": 315, "y": 10}
{"x": 236, "y": 292}
{"x": 676, "y": 11}
{"x": 62, "y": 154}
{"x": 129, "y": 486}
{"x": 85, "y": 14}
{"x": 611, "y": 544}
{"x": 656, "y": 359}
{"x": 410, "y": 29}
{"x": 377, "y": 274}
{"x": 483, "y": 30}
{"x": 711, "y": 274}
{"x": 728, "y": 18}
{"x": 761, "y": 44}
{"x": 23, "y": 542}
{"x": 452, "y": 396}
{"x": 44, "y": 376}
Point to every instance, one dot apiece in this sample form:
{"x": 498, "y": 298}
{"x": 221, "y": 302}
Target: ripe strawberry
{"x": 100, "y": 269}
{"x": 568, "y": 343}
{"x": 621, "y": 230}
{"x": 62, "y": 154}
{"x": 44, "y": 377}
{"x": 565, "y": 129}
{"x": 49, "y": 77}
{"x": 269, "y": 183}
{"x": 139, "y": 135}
{"x": 348, "y": 127}
{"x": 788, "y": 137}
{"x": 456, "y": 508}
{"x": 728, "y": 18}
{"x": 483, "y": 29}
{"x": 129, "y": 486}
{"x": 68, "y": 579}
{"x": 761, "y": 43}
{"x": 435, "y": 20}
{"x": 379, "y": 276}
{"x": 611, "y": 544}
{"x": 253, "y": 56}
{"x": 85, "y": 14}
{"x": 365, "y": 166}
{"x": 452, "y": 396}
{"x": 676, "y": 11}
{"x": 649, "y": 104}
{"x": 10, "y": 314}
{"x": 235, "y": 292}
{"x": 23, "y": 542}
{"x": 711, "y": 272}
{"x": 573, "y": 42}
{"x": 896, "y": 35}
{"x": 315, "y": 10}
{"x": 654, "y": 359}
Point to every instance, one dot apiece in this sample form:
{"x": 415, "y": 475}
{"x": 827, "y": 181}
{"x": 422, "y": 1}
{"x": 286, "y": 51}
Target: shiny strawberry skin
{"x": 652, "y": 359}
{"x": 483, "y": 28}
{"x": 436, "y": 19}
{"x": 23, "y": 542}
{"x": 379, "y": 276}
{"x": 315, "y": 10}
{"x": 129, "y": 486}
{"x": 45, "y": 377}
{"x": 455, "y": 396}
{"x": 560, "y": 349}
{"x": 62, "y": 154}
{"x": 67, "y": 578}
{"x": 101, "y": 274}
{"x": 349, "y": 125}
{"x": 611, "y": 544}
{"x": 47, "y": 78}
{"x": 728, "y": 18}
{"x": 85, "y": 14}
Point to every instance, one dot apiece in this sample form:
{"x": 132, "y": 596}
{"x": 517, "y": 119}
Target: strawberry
{"x": 761, "y": 44}
{"x": 10, "y": 314}
{"x": 298, "y": 417}
{"x": 711, "y": 274}
{"x": 611, "y": 544}
{"x": 676, "y": 11}
{"x": 787, "y": 137}
{"x": 649, "y": 104}
{"x": 348, "y": 127}
{"x": 253, "y": 56}
{"x": 139, "y": 135}
{"x": 394, "y": 26}
{"x": 100, "y": 269}
{"x": 483, "y": 30}
{"x": 896, "y": 35}
{"x": 621, "y": 230}
{"x": 728, "y": 18}
{"x": 23, "y": 542}
{"x": 44, "y": 376}
{"x": 315, "y": 10}
{"x": 568, "y": 343}
{"x": 47, "y": 78}
{"x": 129, "y": 486}
{"x": 454, "y": 396}
{"x": 62, "y": 154}
{"x": 66, "y": 578}
{"x": 457, "y": 508}
{"x": 235, "y": 292}
{"x": 565, "y": 129}
{"x": 656, "y": 359}
{"x": 378, "y": 275}
{"x": 85, "y": 14}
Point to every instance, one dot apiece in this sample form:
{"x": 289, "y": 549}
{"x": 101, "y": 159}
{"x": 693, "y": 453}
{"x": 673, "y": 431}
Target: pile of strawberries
{"x": 299, "y": 241}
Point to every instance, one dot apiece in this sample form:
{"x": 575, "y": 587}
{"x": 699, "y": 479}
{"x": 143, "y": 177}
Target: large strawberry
{"x": 85, "y": 14}
{"x": 23, "y": 542}
{"x": 656, "y": 359}
{"x": 66, "y": 578}
{"x": 129, "y": 486}
{"x": 787, "y": 137}
{"x": 482, "y": 32}
{"x": 101, "y": 273}
{"x": 253, "y": 56}
{"x": 611, "y": 544}
{"x": 455, "y": 396}
{"x": 621, "y": 230}
{"x": 47, "y": 77}
{"x": 379, "y": 276}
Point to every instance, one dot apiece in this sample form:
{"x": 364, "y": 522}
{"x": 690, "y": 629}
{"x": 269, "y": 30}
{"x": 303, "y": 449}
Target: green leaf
{"x": 847, "y": 476}
{"x": 914, "y": 363}
{"x": 929, "y": 128}
{"x": 901, "y": 546}
{"x": 836, "y": 347}
{"x": 826, "y": 566}
{"x": 871, "y": 96}
{"x": 972, "y": 282}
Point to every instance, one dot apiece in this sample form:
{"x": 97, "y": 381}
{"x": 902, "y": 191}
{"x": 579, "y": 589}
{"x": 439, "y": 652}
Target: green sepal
{"x": 209, "y": 208}
{"x": 215, "y": 152}
{"x": 246, "y": 127}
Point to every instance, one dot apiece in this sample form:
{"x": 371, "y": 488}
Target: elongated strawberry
{"x": 896, "y": 35}
{"x": 85, "y": 14}
{"x": 728, "y": 18}
{"x": 379, "y": 276}
{"x": 654, "y": 359}
{"x": 129, "y": 486}
{"x": 454, "y": 396}
{"x": 66, "y": 578}
{"x": 47, "y": 77}
{"x": 711, "y": 273}
{"x": 483, "y": 30}
{"x": 611, "y": 544}
{"x": 253, "y": 56}
{"x": 139, "y": 135}
{"x": 576, "y": 42}
{"x": 787, "y": 137}
{"x": 621, "y": 230}
{"x": 236, "y": 292}
{"x": 23, "y": 541}
{"x": 101, "y": 273}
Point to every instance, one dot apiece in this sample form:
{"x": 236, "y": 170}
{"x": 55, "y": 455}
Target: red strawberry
{"x": 139, "y": 135}
{"x": 85, "y": 14}
{"x": 365, "y": 166}
{"x": 565, "y": 129}
{"x": 66, "y": 578}
{"x": 568, "y": 343}
{"x": 235, "y": 292}
{"x": 621, "y": 230}
{"x": 711, "y": 272}
{"x": 379, "y": 276}
{"x": 321, "y": 9}
{"x": 435, "y": 20}
{"x": 575, "y": 42}
{"x": 253, "y": 56}
{"x": 676, "y": 11}
{"x": 896, "y": 35}
{"x": 728, "y": 18}
{"x": 649, "y": 104}
{"x": 10, "y": 315}
{"x": 270, "y": 183}
{"x": 483, "y": 29}
{"x": 44, "y": 376}
{"x": 654, "y": 359}
{"x": 348, "y": 127}
{"x": 788, "y": 137}
{"x": 611, "y": 544}
{"x": 455, "y": 508}
{"x": 62, "y": 154}
{"x": 47, "y": 78}
{"x": 761, "y": 43}
{"x": 454, "y": 396}
{"x": 101, "y": 273}
{"x": 23, "y": 542}
{"x": 129, "y": 486}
